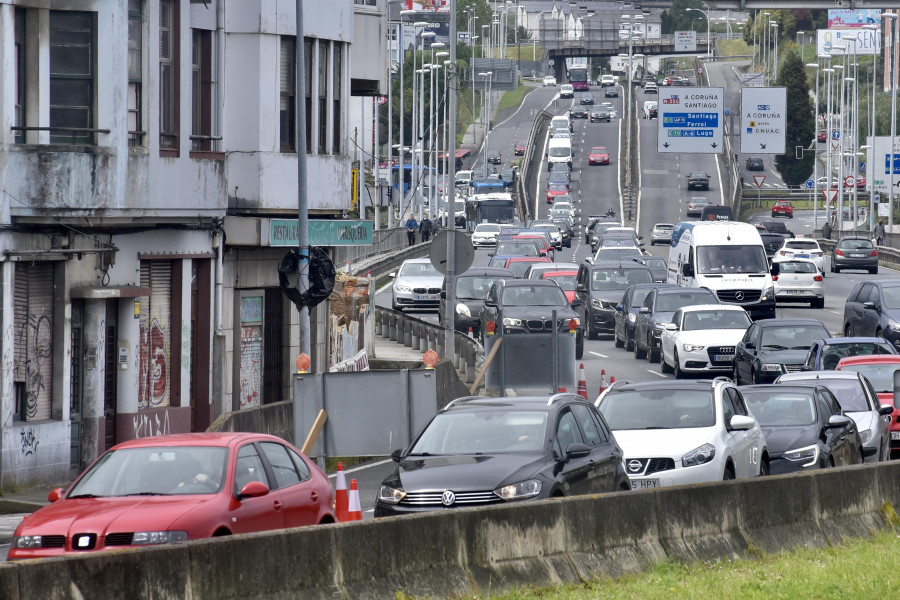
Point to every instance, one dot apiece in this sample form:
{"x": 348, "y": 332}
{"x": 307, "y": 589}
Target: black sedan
{"x": 611, "y": 91}
{"x": 854, "y": 252}
{"x": 493, "y": 157}
{"x": 771, "y": 347}
{"x": 873, "y": 309}
{"x": 804, "y": 426}
{"x": 471, "y": 289}
{"x": 488, "y": 451}
{"x": 626, "y": 313}
{"x": 659, "y": 306}
{"x": 578, "y": 112}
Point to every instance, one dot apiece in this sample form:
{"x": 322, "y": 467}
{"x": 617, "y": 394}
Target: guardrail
{"x": 526, "y": 180}
{"x": 887, "y": 255}
{"x": 386, "y": 262}
{"x": 421, "y": 335}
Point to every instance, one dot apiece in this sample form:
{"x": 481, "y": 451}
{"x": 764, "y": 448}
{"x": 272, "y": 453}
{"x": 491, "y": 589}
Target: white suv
{"x": 677, "y": 432}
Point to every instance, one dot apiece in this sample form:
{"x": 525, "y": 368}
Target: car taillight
{"x": 774, "y": 277}
{"x": 781, "y": 252}
{"x": 817, "y": 278}
{"x": 874, "y": 253}
{"x": 838, "y": 253}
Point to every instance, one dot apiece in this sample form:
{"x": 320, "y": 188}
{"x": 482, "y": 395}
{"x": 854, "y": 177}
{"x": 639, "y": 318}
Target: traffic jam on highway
{"x": 733, "y": 358}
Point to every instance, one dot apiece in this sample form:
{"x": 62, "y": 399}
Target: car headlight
{"x": 519, "y": 491}
{"x": 769, "y": 294}
{"x": 772, "y": 367}
{"x": 691, "y": 347}
{"x": 699, "y": 456}
{"x": 512, "y": 322}
{"x": 894, "y": 325}
{"x": 808, "y": 455}
{"x": 632, "y": 317}
{"x": 26, "y": 541}
{"x": 462, "y": 309}
{"x": 390, "y": 495}
{"x": 403, "y": 289}
{"x": 145, "y": 538}
{"x": 865, "y": 436}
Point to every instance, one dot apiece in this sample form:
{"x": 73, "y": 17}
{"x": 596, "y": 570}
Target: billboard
{"x": 848, "y": 17}
{"x": 690, "y": 120}
{"x": 866, "y": 41}
{"x": 685, "y": 41}
{"x": 763, "y": 120}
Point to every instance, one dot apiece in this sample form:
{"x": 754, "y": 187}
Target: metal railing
{"x": 75, "y": 131}
{"x": 205, "y": 143}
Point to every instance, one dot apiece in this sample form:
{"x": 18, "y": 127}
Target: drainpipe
{"x": 220, "y": 276}
{"x": 220, "y": 69}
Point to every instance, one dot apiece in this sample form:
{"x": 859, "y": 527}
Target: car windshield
{"x": 796, "y": 266}
{"x": 163, "y": 471}
{"x": 880, "y": 376}
{"x": 616, "y": 254}
{"x": 659, "y": 409}
{"x": 849, "y": 392}
{"x": 720, "y": 260}
{"x": 482, "y": 432}
{"x": 419, "y": 269}
{"x": 891, "y": 296}
{"x": 618, "y": 279}
{"x": 533, "y": 295}
{"x": 810, "y": 245}
{"x": 855, "y": 245}
{"x": 566, "y": 282}
{"x": 598, "y": 150}
{"x": 833, "y": 353}
{"x": 474, "y": 287}
{"x": 672, "y": 301}
{"x": 773, "y": 409}
{"x": 696, "y": 320}
{"x": 518, "y": 248}
{"x": 791, "y": 337}
{"x": 655, "y": 263}
{"x": 487, "y": 228}
{"x": 560, "y": 151}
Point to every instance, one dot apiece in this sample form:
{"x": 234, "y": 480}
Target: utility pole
{"x": 451, "y": 178}
{"x": 302, "y": 206}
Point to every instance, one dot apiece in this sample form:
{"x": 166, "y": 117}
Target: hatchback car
{"x": 659, "y": 307}
{"x": 586, "y": 99}
{"x": 600, "y": 287}
{"x": 804, "y": 426}
{"x": 755, "y": 164}
{"x": 471, "y": 290}
{"x": 698, "y": 180}
{"x": 701, "y": 339}
{"x": 824, "y": 355}
{"x": 416, "y": 285}
{"x": 854, "y": 252}
{"x": 804, "y": 249}
{"x": 774, "y": 346}
{"x": 598, "y": 156}
{"x": 872, "y": 308}
{"x": 487, "y": 451}
{"x": 485, "y": 234}
{"x": 556, "y": 189}
{"x": 519, "y": 148}
{"x": 679, "y": 432}
{"x": 880, "y": 370}
{"x": 519, "y": 264}
{"x": 783, "y": 208}
{"x": 661, "y": 233}
{"x": 600, "y": 114}
{"x": 494, "y": 157}
{"x": 696, "y": 205}
{"x": 549, "y": 80}
{"x": 176, "y": 488}
{"x": 798, "y": 280}
{"x": 651, "y": 88}
{"x": 860, "y": 402}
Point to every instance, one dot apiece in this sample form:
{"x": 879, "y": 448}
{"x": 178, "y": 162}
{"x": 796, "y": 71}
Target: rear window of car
{"x": 849, "y": 393}
{"x": 673, "y": 301}
{"x": 797, "y": 267}
{"x": 855, "y": 244}
{"x": 806, "y": 245}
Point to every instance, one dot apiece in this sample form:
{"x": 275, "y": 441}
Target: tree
{"x": 800, "y": 125}
{"x": 678, "y": 18}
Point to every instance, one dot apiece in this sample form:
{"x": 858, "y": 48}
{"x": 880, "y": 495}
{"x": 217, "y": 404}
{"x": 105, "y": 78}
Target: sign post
{"x": 758, "y": 180}
{"x": 690, "y": 120}
{"x": 763, "y": 120}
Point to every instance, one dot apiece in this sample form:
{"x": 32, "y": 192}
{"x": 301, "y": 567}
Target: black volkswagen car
{"x": 804, "y": 426}
{"x": 873, "y": 309}
{"x": 484, "y": 451}
{"x": 657, "y": 310}
{"x": 771, "y": 347}
{"x": 600, "y": 287}
{"x": 627, "y": 310}
{"x": 471, "y": 289}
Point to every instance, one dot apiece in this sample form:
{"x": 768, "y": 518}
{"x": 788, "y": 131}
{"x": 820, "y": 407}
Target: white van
{"x": 726, "y": 257}
{"x": 651, "y": 109}
{"x": 559, "y": 150}
{"x": 463, "y": 177}
{"x": 560, "y": 122}
{"x": 566, "y": 91}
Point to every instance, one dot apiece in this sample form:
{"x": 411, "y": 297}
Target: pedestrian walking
{"x": 411, "y": 226}
{"x": 425, "y": 228}
{"x": 879, "y": 233}
{"x": 826, "y": 230}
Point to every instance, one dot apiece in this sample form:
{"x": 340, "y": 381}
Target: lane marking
{"x": 834, "y": 312}
{"x": 658, "y": 374}
{"x": 597, "y": 354}
{"x": 362, "y": 468}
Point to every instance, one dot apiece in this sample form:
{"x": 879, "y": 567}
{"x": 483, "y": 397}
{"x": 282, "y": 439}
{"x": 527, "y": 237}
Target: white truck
{"x": 726, "y": 257}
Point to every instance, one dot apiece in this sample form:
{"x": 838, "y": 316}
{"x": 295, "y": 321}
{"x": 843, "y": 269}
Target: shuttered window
{"x": 288, "y": 87}
{"x": 33, "y": 343}
{"x": 154, "y": 388}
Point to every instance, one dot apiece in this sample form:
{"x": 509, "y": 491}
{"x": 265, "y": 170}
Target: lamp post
{"x": 705, "y": 14}
{"x": 774, "y": 25}
{"x": 450, "y": 187}
{"x": 893, "y": 161}
{"x": 765, "y": 44}
{"x": 487, "y": 122}
{"x": 432, "y": 128}
{"x": 817, "y": 67}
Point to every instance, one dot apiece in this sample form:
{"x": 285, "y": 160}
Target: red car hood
{"x": 102, "y": 515}
{"x": 598, "y": 156}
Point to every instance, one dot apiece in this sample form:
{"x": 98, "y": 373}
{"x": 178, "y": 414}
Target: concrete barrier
{"x": 478, "y": 550}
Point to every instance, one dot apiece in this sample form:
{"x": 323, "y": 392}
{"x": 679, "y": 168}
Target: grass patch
{"x": 835, "y": 572}
{"x": 466, "y": 115}
{"x": 513, "y": 98}
{"x": 733, "y": 48}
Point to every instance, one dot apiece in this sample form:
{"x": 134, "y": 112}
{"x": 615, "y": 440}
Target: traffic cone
{"x": 347, "y": 267}
{"x": 354, "y": 512}
{"x": 582, "y": 383}
{"x": 341, "y": 501}
{"x": 603, "y": 385}
{"x": 560, "y": 390}
{"x": 369, "y": 273}
{"x": 612, "y": 380}
{"x": 471, "y": 333}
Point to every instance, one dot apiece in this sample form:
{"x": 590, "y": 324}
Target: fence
{"x": 384, "y": 240}
{"x": 530, "y": 163}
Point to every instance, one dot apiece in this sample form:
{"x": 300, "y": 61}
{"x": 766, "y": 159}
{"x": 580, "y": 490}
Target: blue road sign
{"x": 887, "y": 164}
{"x": 810, "y": 184}
{"x": 835, "y": 135}
{"x": 862, "y": 166}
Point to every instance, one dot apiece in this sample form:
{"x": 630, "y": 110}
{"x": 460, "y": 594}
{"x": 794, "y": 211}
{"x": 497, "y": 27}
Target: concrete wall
{"x": 465, "y": 551}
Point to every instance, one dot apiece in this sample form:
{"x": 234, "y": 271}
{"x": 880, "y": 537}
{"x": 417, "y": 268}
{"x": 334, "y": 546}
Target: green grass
{"x": 733, "y": 48}
{"x": 856, "y": 569}
{"x": 465, "y": 116}
{"x": 513, "y": 98}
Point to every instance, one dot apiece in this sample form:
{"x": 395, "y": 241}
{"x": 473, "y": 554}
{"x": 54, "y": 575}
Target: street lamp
{"x": 705, "y": 14}
{"x": 893, "y": 161}
{"x": 487, "y": 122}
{"x": 432, "y": 127}
{"x": 817, "y": 67}
{"x": 774, "y": 24}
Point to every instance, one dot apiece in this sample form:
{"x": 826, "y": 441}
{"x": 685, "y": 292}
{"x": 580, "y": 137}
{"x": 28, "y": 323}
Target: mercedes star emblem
{"x": 739, "y": 295}
{"x": 448, "y": 498}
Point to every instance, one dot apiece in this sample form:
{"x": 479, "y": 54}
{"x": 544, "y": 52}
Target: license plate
{"x": 723, "y": 357}
{"x": 803, "y": 256}
{"x": 644, "y": 484}
{"x": 857, "y": 255}
{"x": 426, "y": 297}
{"x": 795, "y": 292}
{"x": 895, "y": 435}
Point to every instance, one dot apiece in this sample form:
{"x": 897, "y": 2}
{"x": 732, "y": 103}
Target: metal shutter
{"x": 156, "y": 330}
{"x": 33, "y": 346}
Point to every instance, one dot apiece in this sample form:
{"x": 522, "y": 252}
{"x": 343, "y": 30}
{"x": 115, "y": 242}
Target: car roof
{"x": 870, "y": 359}
{"x": 690, "y": 384}
{"x": 792, "y": 387}
{"x": 854, "y": 340}
{"x": 788, "y": 322}
{"x": 513, "y": 259}
{"x": 476, "y": 271}
{"x": 698, "y": 307}
{"x": 618, "y": 264}
{"x": 559, "y": 272}
{"x": 516, "y": 403}
{"x": 664, "y": 224}
{"x": 222, "y": 439}
{"x": 681, "y": 288}
{"x": 819, "y": 375}
{"x": 417, "y": 260}
{"x": 525, "y": 282}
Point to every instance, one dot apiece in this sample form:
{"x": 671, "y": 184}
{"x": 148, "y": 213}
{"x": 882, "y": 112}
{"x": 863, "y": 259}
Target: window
{"x": 248, "y": 467}
{"x": 33, "y": 318}
{"x": 287, "y": 110}
{"x": 135, "y": 71}
{"x": 301, "y": 465}
{"x": 323, "y": 95}
{"x": 592, "y": 433}
{"x": 20, "y": 74}
{"x": 308, "y": 59}
{"x": 336, "y": 98}
{"x": 71, "y": 77}
{"x": 168, "y": 75}
{"x": 282, "y": 466}
{"x": 202, "y": 91}
{"x": 567, "y": 432}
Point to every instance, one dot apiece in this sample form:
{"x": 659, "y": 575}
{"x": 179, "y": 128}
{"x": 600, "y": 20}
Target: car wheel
{"x": 638, "y": 353}
{"x": 874, "y": 270}
{"x": 764, "y": 466}
{"x": 831, "y": 266}
{"x": 729, "y": 473}
{"x": 663, "y": 365}
{"x": 579, "y": 346}
{"x": 773, "y": 215}
{"x": 835, "y": 269}
{"x": 629, "y": 343}
{"x": 817, "y": 303}
{"x": 652, "y": 355}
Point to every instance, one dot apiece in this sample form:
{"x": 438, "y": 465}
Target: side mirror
{"x": 870, "y": 305}
{"x": 742, "y": 423}
{"x": 397, "y": 454}
{"x": 392, "y": 274}
{"x": 576, "y": 450}
{"x": 55, "y": 494}
{"x": 620, "y": 307}
{"x": 254, "y": 489}
{"x": 687, "y": 270}
{"x": 671, "y": 327}
{"x": 576, "y": 302}
{"x": 750, "y": 346}
{"x": 443, "y": 295}
{"x": 838, "y": 421}
{"x": 885, "y": 410}
{"x": 580, "y": 288}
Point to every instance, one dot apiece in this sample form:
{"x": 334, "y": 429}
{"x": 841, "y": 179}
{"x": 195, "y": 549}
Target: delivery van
{"x": 559, "y": 150}
{"x": 726, "y": 257}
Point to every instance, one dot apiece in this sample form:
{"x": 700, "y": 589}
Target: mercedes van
{"x": 726, "y": 257}
{"x": 559, "y": 150}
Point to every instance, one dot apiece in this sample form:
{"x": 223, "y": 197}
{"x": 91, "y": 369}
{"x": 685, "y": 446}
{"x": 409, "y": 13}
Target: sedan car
{"x": 771, "y": 347}
{"x": 550, "y": 80}
{"x": 698, "y": 180}
{"x": 578, "y": 112}
{"x": 825, "y": 355}
{"x": 598, "y": 156}
{"x": 586, "y": 99}
{"x": 695, "y": 206}
{"x": 802, "y": 248}
{"x": 678, "y": 432}
{"x": 854, "y": 252}
{"x": 873, "y": 309}
{"x": 880, "y": 370}
{"x": 701, "y": 339}
{"x": 176, "y": 488}
{"x": 519, "y": 148}
{"x": 611, "y": 92}
{"x": 471, "y": 289}
{"x": 662, "y": 233}
{"x": 483, "y": 451}
{"x": 798, "y": 280}
{"x": 600, "y": 114}
{"x": 659, "y": 307}
{"x": 783, "y": 208}
{"x": 755, "y": 163}
{"x": 626, "y": 313}
{"x": 860, "y": 402}
{"x": 612, "y": 109}
{"x": 494, "y": 157}
{"x": 804, "y": 426}
{"x": 416, "y": 285}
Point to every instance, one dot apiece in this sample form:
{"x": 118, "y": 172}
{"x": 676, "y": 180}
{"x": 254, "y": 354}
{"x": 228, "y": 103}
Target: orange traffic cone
{"x": 347, "y": 267}
{"x": 560, "y": 390}
{"x": 341, "y": 501}
{"x": 612, "y": 381}
{"x": 603, "y": 385}
{"x": 582, "y": 383}
{"x": 354, "y": 512}
{"x": 471, "y": 333}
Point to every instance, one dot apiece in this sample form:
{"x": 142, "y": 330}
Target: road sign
{"x": 700, "y": 70}
{"x": 810, "y": 184}
{"x": 463, "y": 251}
{"x": 884, "y": 158}
{"x": 829, "y": 195}
{"x": 836, "y": 134}
{"x": 759, "y": 179}
{"x": 690, "y": 120}
{"x": 849, "y": 181}
{"x": 685, "y": 41}
{"x": 763, "y": 120}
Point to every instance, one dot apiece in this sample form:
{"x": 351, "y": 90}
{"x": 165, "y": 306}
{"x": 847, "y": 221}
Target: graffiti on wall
{"x": 38, "y": 345}
{"x": 154, "y": 366}
{"x": 29, "y": 440}
{"x": 251, "y": 365}
{"x": 186, "y": 346}
{"x": 8, "y": 371}
{"x": 150, "y": 425}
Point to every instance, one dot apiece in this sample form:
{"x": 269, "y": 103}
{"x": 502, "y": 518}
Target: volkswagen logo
{"x": 635, "y": 466}
{"x": 448, "y": 498}
{"x": 739, "y": 295}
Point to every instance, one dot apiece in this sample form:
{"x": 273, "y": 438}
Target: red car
{"x": 519, "y": 148}
{"x": 543, "y": 246}
{"x": 783, "y": 208}
{"x": 556, "y": 189}
{"x": 175, "y": 488}
{"x": 879, "y": 370}
{"x": 598, "y": 156}
{"x": 822, "y": 136}
{"x": 565, "y": 280}
{"x": 519, "y": 264}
